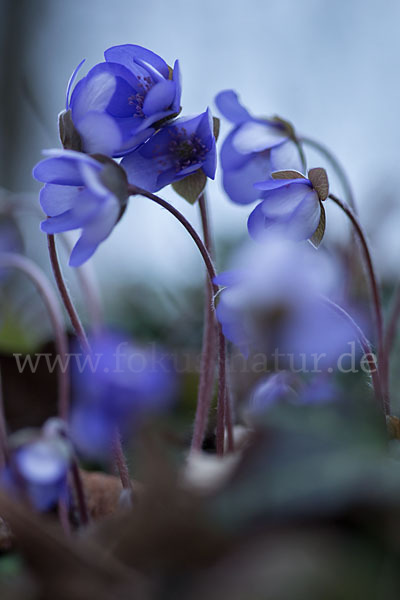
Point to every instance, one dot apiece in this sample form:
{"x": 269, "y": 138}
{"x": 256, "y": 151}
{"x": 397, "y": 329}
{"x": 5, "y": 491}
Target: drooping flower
{"x": 116, "y": 387}
{"x": 182, "y": 148}
{"x": 252, "y": 150}
{"x": 38, "y": 466}
{"x": 122, "y": 101}
{"x": 293, "y": 203}
{"x": 81, "y": 193}
{"x": 273, "y": 302}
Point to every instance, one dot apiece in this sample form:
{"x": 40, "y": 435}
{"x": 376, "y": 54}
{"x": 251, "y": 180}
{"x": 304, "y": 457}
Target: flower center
{"x": 186, "y": 151}
{"x": 137, "y": 100}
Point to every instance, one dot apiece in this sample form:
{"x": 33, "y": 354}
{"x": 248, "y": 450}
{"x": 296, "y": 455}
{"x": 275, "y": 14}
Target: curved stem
{"x": 376, "y": 297}
{"x": 337, "y": 167}
{"x": 15, "y": 261}
{"x": 84, "y": 342}
{"x": 62, "y": 288}
{"x": 133, "y": 190}
{"x": 391, "y": 329}
{"x": 208, "y": 353}
{"x": 89, "y": 289}
{"x": 366, "y": 348}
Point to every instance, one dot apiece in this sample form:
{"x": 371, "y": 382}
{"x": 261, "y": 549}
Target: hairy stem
{"x": 208, "y": 353}
{"x": 120, "y": 462}
{"x": 133, "y": 190}
{"x": 80, "y": 494}
{"x": 16, "y": 261}
{"x": 376, "y": 297}
{"x": 84, "y": 342}
{"x": 66, "y": 298}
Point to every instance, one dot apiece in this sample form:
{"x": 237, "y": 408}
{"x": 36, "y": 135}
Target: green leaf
{"x": 191, "y": 186}
{"x": 317, "y": 236}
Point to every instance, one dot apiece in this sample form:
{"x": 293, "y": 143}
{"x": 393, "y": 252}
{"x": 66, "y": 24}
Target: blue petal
{"x": 255, "y": 136}
{"x": 95, "y": 232}
{"x": 286, "y": 156}
{"x": 71, "y": 83}
{"x": 258, "y": 223}
{"x": 123, "y": 101}
{"x": 66, "y": 221}
{"x": 128, "y": 53}
{"x": 239, "y": 184}
{"x": 141, "y": 171}
{"x": 100, "y": 133}
{"x": 210, "y": 164}
{"x": 305, "y": 219}
{"x": 228, "y": 278}
{"x": 274, "y": 184}
{"x": 62, "y": 167}
{"x": 176, "y": 77}
{"x": 57, "y": 199}
{"x": 159, "y": 97}
{"x": 230, "y": 158}
{"x": 282, "y": 201}
{"x": 228, "y": 104}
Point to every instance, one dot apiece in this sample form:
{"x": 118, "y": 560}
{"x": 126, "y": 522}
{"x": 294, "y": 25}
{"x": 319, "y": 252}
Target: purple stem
{"x": 133, "y": 190}
{"x": 391, "y": 329}
{"x": 84, "y": 342}
{"x": 121, "y": 462}
{"x": 62, "y": 288}
{"x": 16, "y": 261}
{"x": 375, "y": 297}
{"x": 208, "y": 355}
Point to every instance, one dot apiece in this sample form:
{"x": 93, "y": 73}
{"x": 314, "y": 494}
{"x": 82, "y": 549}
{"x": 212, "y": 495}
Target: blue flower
{"x": 38, "y": 466}
{"x": 270, "y": 391}
{"x": 116, "y": 387}
{"x": 291, "y": 204}
{"x": 252, "y": 150}
{"x": 122, "y": 101}
{"x": 180, "y": 149}
{"x": 273, "y": 302}
{"x": 285, "y": 387}
{"x": 81, "y": 193}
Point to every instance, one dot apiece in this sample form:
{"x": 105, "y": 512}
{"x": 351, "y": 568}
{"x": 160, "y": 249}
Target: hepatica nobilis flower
{"x": 81, "y": 192}
{"x": 119, "y": 385}
{"x": 252, "y": 150}
{"x": 293, "y": 203}
{"x": 180, "y": 149}
{"x": 273, "y": 300}
{"x": 123, "y": 100}
{"x": 38, "y": 466}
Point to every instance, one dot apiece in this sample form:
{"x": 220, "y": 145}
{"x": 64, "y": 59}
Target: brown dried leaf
{"x": 320, "y": 183}
{"x": 287, "y": 174}
{"x": 318, "y": 235}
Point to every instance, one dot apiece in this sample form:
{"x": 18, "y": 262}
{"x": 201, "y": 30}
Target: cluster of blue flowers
{"x": 122, "y": 134}
{"x": 124, "y": 107}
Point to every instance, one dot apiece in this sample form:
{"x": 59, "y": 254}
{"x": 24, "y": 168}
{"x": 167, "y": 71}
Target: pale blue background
{"x": 332, "y": 68}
